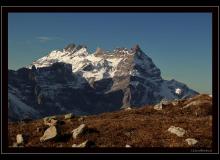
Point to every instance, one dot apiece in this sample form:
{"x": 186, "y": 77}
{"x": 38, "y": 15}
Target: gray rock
{"x": 81, "y": 119}
{"x": 127, "y": 146}
{"x": 19, "y": 139}
{"x": 51, "y": 122}
{"x": 84, "y": 144}
{"x": 49, "y": 134}
{"x": 78, "y": 131}
{"x": 49, "y": 118}
{"x": 15, "y": 144}
{"x": 128, "y": 108}
{"x": 68, "y": 116}
{"x": 175, "y": 102}
{"x": 177, "y": 131}
{"x": 158, "y": 107}
{"x": 191, "y": 141}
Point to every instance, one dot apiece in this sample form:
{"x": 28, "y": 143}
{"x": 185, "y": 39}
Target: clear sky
{"x": 180, "y": 44}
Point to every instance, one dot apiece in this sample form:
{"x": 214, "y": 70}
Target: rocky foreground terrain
{"x": 177, "y": 123}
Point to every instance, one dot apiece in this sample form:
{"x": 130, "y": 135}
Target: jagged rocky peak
{"x": 70, "y": 46}
{"x": 136, "y": 48}
{"x": 73, "y": 47}
{"x": 99, "y": 51}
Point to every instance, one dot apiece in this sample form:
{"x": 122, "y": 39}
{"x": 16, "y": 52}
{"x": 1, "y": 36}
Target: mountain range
{"x": 74, "y": 80}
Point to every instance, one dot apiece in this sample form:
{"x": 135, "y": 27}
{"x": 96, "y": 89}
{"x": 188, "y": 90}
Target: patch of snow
{"x": 178, "y": 91}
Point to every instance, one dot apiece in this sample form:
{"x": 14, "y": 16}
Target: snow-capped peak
{"x": 178, "y": 91}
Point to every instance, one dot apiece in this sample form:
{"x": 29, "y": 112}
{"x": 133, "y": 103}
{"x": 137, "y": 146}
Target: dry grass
{"x": 142, "y": 127}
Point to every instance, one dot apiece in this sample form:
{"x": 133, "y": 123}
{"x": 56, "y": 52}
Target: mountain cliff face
{"x": 72, "y": 80}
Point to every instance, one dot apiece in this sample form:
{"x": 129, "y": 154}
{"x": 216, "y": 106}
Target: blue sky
{"x": 180, "y": 44}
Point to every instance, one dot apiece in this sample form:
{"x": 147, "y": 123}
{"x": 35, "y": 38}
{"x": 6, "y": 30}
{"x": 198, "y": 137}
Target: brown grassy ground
{"x": 142, "y": 127}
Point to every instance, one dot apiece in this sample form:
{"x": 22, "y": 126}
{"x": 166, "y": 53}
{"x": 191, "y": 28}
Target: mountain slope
{"x": 72, "y": 80}
{"x": 142, "y": 127}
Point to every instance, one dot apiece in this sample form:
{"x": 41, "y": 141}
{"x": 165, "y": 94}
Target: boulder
{"x": 191, "y": 141}
{"x": 175, "y": 102}
{"x": 84, "y": 144}
{"x": 158, "y": 107}
{"x": 78, "y": 131}
{"x": 127, "y": 146}
{"x": 128, "y": 108}
{"x": 162, "y": 104}
{"x": 15, "y": 144}
{"x": 52, "y": 122}
{"x": 49, "y": 134}
{"x": 68, "y": 116}
{"x": 177, "y": 130}
{"x": 49, "y": 118}
{"x": 19, "y": 139}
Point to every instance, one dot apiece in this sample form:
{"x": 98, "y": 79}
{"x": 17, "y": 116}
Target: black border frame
{"x": 215, "y": 69}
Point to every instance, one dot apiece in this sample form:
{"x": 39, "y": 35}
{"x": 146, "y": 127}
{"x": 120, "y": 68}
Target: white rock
{"x": 19, "y": 139}
{"x": 68, "y": 116}
{"x": 47, "y": 119}
{"x": 51, "y": 122}
{"x": 177, "y": 130}
{"x": 191, "y": 141}
{"x": 82, "y": 145}
{"x": 175, "y": 102}
{"x": 127, "y": 146}
{"x": 165, "y": 102}
{"x": 76, "y": 132}
{"x": 128, "y": 108}
{"x": 158, "y": 107}
{"x": 15, "y": 144}
{"x": 49, "y": 134}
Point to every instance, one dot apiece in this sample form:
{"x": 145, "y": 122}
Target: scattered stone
{"x": 175, "y": 102}
{"x": 128, "y": 134}
{"x": 81, "y": 119}
{"x": 78, "y": 131}
{"x": 128, "y": 108}
{"x": 51, "y": 122}
{"x": 158, "y": 107}
{"x": 49, "y": 134}
{"x": 177, "y": 130}
{"x": 49, "y": 118}
{"x": 191, "y": 141}
{"x": 164, "y": 102}
{"x": 20, "y": 139}
{"x": 15, "y": 144}
{"x": 68, "y": 116}
{"x": 127, "y": 146}
{"x": 84, "y": 144}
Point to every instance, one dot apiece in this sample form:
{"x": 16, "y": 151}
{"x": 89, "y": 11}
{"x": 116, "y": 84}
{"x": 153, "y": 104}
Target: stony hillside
{"x": 178, "y": 123}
